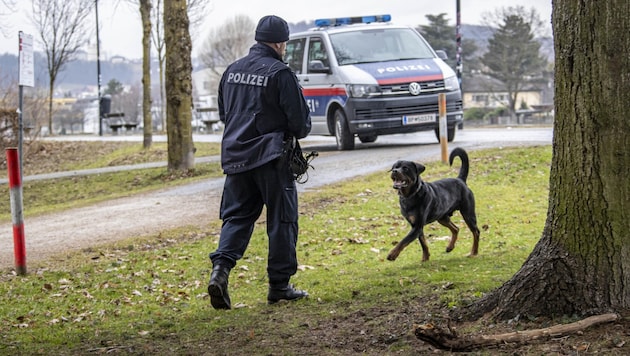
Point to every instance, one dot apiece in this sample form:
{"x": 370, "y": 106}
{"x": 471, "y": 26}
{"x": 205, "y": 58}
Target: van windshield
{"x": 379, "y": 45}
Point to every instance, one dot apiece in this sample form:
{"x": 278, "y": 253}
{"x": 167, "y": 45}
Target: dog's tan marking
{"x": 454, "y": 231}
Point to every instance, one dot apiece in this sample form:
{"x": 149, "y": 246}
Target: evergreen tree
{"x": 114, "y": 87}
{"x": 513, "y": 56}
{"x": 441, "y": 36}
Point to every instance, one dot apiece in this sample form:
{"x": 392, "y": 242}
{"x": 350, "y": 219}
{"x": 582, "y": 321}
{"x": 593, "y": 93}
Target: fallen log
{"x": 447, "y": 339}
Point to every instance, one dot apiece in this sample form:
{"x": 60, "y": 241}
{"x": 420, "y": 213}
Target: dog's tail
{"x": 463, "y": 170}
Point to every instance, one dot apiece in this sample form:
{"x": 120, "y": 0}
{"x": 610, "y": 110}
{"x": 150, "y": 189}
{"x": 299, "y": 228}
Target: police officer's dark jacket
{"x": 260, "y": 101}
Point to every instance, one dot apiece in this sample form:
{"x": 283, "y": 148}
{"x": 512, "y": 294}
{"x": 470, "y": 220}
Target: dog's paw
{"x": 449, "y": 249}
{"x": 472, "y": 254}
{"x": 392, "y": 256}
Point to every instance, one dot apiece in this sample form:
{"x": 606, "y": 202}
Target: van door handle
{"x": 305, "y": 79}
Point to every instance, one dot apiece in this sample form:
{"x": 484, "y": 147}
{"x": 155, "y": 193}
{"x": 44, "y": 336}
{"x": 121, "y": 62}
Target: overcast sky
{"x": 120, "y": 31}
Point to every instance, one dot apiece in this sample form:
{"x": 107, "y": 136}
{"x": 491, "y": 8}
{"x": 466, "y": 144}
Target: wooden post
{"x": 443, "y": 129}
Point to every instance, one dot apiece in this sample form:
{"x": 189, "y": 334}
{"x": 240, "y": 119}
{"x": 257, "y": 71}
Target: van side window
{"x": 294, "y": 55}
{"x": 317, "y": 52}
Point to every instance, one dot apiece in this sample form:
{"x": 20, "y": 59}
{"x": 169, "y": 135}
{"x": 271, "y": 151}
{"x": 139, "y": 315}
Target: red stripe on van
{"x": 324, "y": 91}
{"x": 422, "y": 78}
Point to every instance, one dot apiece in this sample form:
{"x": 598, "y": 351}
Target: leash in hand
{"x": 302, "y": 178}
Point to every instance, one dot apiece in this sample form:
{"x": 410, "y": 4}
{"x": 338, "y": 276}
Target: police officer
{"x": 261, "y": 104}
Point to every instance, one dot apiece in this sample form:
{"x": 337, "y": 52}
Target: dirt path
{"x": 190, "y": 204}
{"x": 144, "y": 214}
{"x": 74, "y": 229}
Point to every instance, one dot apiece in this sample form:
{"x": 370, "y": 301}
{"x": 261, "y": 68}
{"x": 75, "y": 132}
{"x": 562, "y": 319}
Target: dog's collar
{"x": 417, "y": 191}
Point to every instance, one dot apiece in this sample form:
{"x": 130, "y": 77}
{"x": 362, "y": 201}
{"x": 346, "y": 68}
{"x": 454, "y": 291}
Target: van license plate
{"x": 418, "y": 119}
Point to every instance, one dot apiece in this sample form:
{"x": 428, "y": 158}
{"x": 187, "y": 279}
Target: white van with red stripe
{"x": 365, "y": 77}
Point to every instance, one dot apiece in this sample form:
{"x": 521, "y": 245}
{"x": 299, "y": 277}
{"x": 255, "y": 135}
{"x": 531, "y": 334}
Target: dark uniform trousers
{"x": 244, "y": 195}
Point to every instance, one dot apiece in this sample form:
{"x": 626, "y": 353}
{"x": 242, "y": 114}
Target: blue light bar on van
{"x": 352, "y": 20}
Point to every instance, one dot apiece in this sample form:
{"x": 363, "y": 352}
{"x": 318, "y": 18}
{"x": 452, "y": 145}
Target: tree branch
{"x": 449, "y": 340}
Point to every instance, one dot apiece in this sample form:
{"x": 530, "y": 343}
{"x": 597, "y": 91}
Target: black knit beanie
{"x": 272, "y": 29}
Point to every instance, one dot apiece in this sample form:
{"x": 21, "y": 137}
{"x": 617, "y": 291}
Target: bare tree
{"x": 157, "y": 37}
{"x": 34, "y": 115}
{"x": 196, "y": 13}
{"x": 145, "y": 7}
{"x": 228, "y": 42}
{"x": 151, "y": 14}
{"x": 70, "y": 119}
{"x": 8, "y": 113}
{"x": 178, "y": 86}
{"x": 147, "y": 119}
{"x": 581, "y": 264}
{"x": 128, "y": 102}
{"x": 61, "y": 25}
{"x": 7, "y": 8}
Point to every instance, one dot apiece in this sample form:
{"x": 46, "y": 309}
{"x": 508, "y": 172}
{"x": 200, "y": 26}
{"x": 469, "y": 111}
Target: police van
{"x": 365, "y": 77}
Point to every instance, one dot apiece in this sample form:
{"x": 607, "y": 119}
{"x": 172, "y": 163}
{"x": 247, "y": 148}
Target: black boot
{"x": 284, "y": 292}
{"x": 218, "y": 288}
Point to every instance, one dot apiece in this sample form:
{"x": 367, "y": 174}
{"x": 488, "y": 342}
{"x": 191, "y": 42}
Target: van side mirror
{"x": 441, "y": 54}
{"x": 317, "y": 66}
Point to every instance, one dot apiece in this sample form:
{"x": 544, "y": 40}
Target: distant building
{"x": 118, "y": 59}
{"x": 480, "y": 90}
{"x": 534, "y": 103}
{"x": 205, "y": 89}
{"x": 94, "y": 53}
{"x": 81, "y": 55}
{"x": 205, "y": 84}
{"x": 72, "y": 115}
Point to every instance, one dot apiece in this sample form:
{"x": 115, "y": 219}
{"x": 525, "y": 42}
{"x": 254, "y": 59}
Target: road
{"x": 197, "y": 203}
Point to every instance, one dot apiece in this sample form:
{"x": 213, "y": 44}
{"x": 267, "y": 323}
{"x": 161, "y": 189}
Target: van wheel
{"x": 450, "y": 133}
{"x": 367, "y": 138}
{"x": 345, "y": 140}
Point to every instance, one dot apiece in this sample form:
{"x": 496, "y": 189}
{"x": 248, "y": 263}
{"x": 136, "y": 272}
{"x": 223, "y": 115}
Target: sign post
{"x": 26, "y": 77}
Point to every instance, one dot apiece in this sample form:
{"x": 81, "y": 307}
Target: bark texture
{"x": 581, "y": 265}
{"x": 145, "y": 15}
{"x": 178, "y": 86}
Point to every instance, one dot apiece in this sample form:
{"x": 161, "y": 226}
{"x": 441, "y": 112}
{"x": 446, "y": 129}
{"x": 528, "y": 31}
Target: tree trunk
{"x": 145, "y": 14}
{"x": 51, "y": 89}
{"x": 178, "y": 86}
{"x": 581, "y": 265}
{"x": 162, "y": 100}
{"x": 158, "y": 41}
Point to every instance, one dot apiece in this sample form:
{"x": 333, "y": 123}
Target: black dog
{"x": 422, "y": 203}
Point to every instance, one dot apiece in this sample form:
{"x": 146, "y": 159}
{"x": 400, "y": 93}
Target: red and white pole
{"x": 17, "y": 216}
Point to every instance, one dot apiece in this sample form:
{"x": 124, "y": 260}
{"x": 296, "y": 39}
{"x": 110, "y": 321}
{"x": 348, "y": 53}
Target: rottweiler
{"x": 422, "y": 203}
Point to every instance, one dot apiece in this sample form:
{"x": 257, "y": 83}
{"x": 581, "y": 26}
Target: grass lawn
{"x": 148, "y": 295}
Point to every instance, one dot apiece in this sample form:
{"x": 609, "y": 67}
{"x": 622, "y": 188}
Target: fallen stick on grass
{"x": 449, "y": 340}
